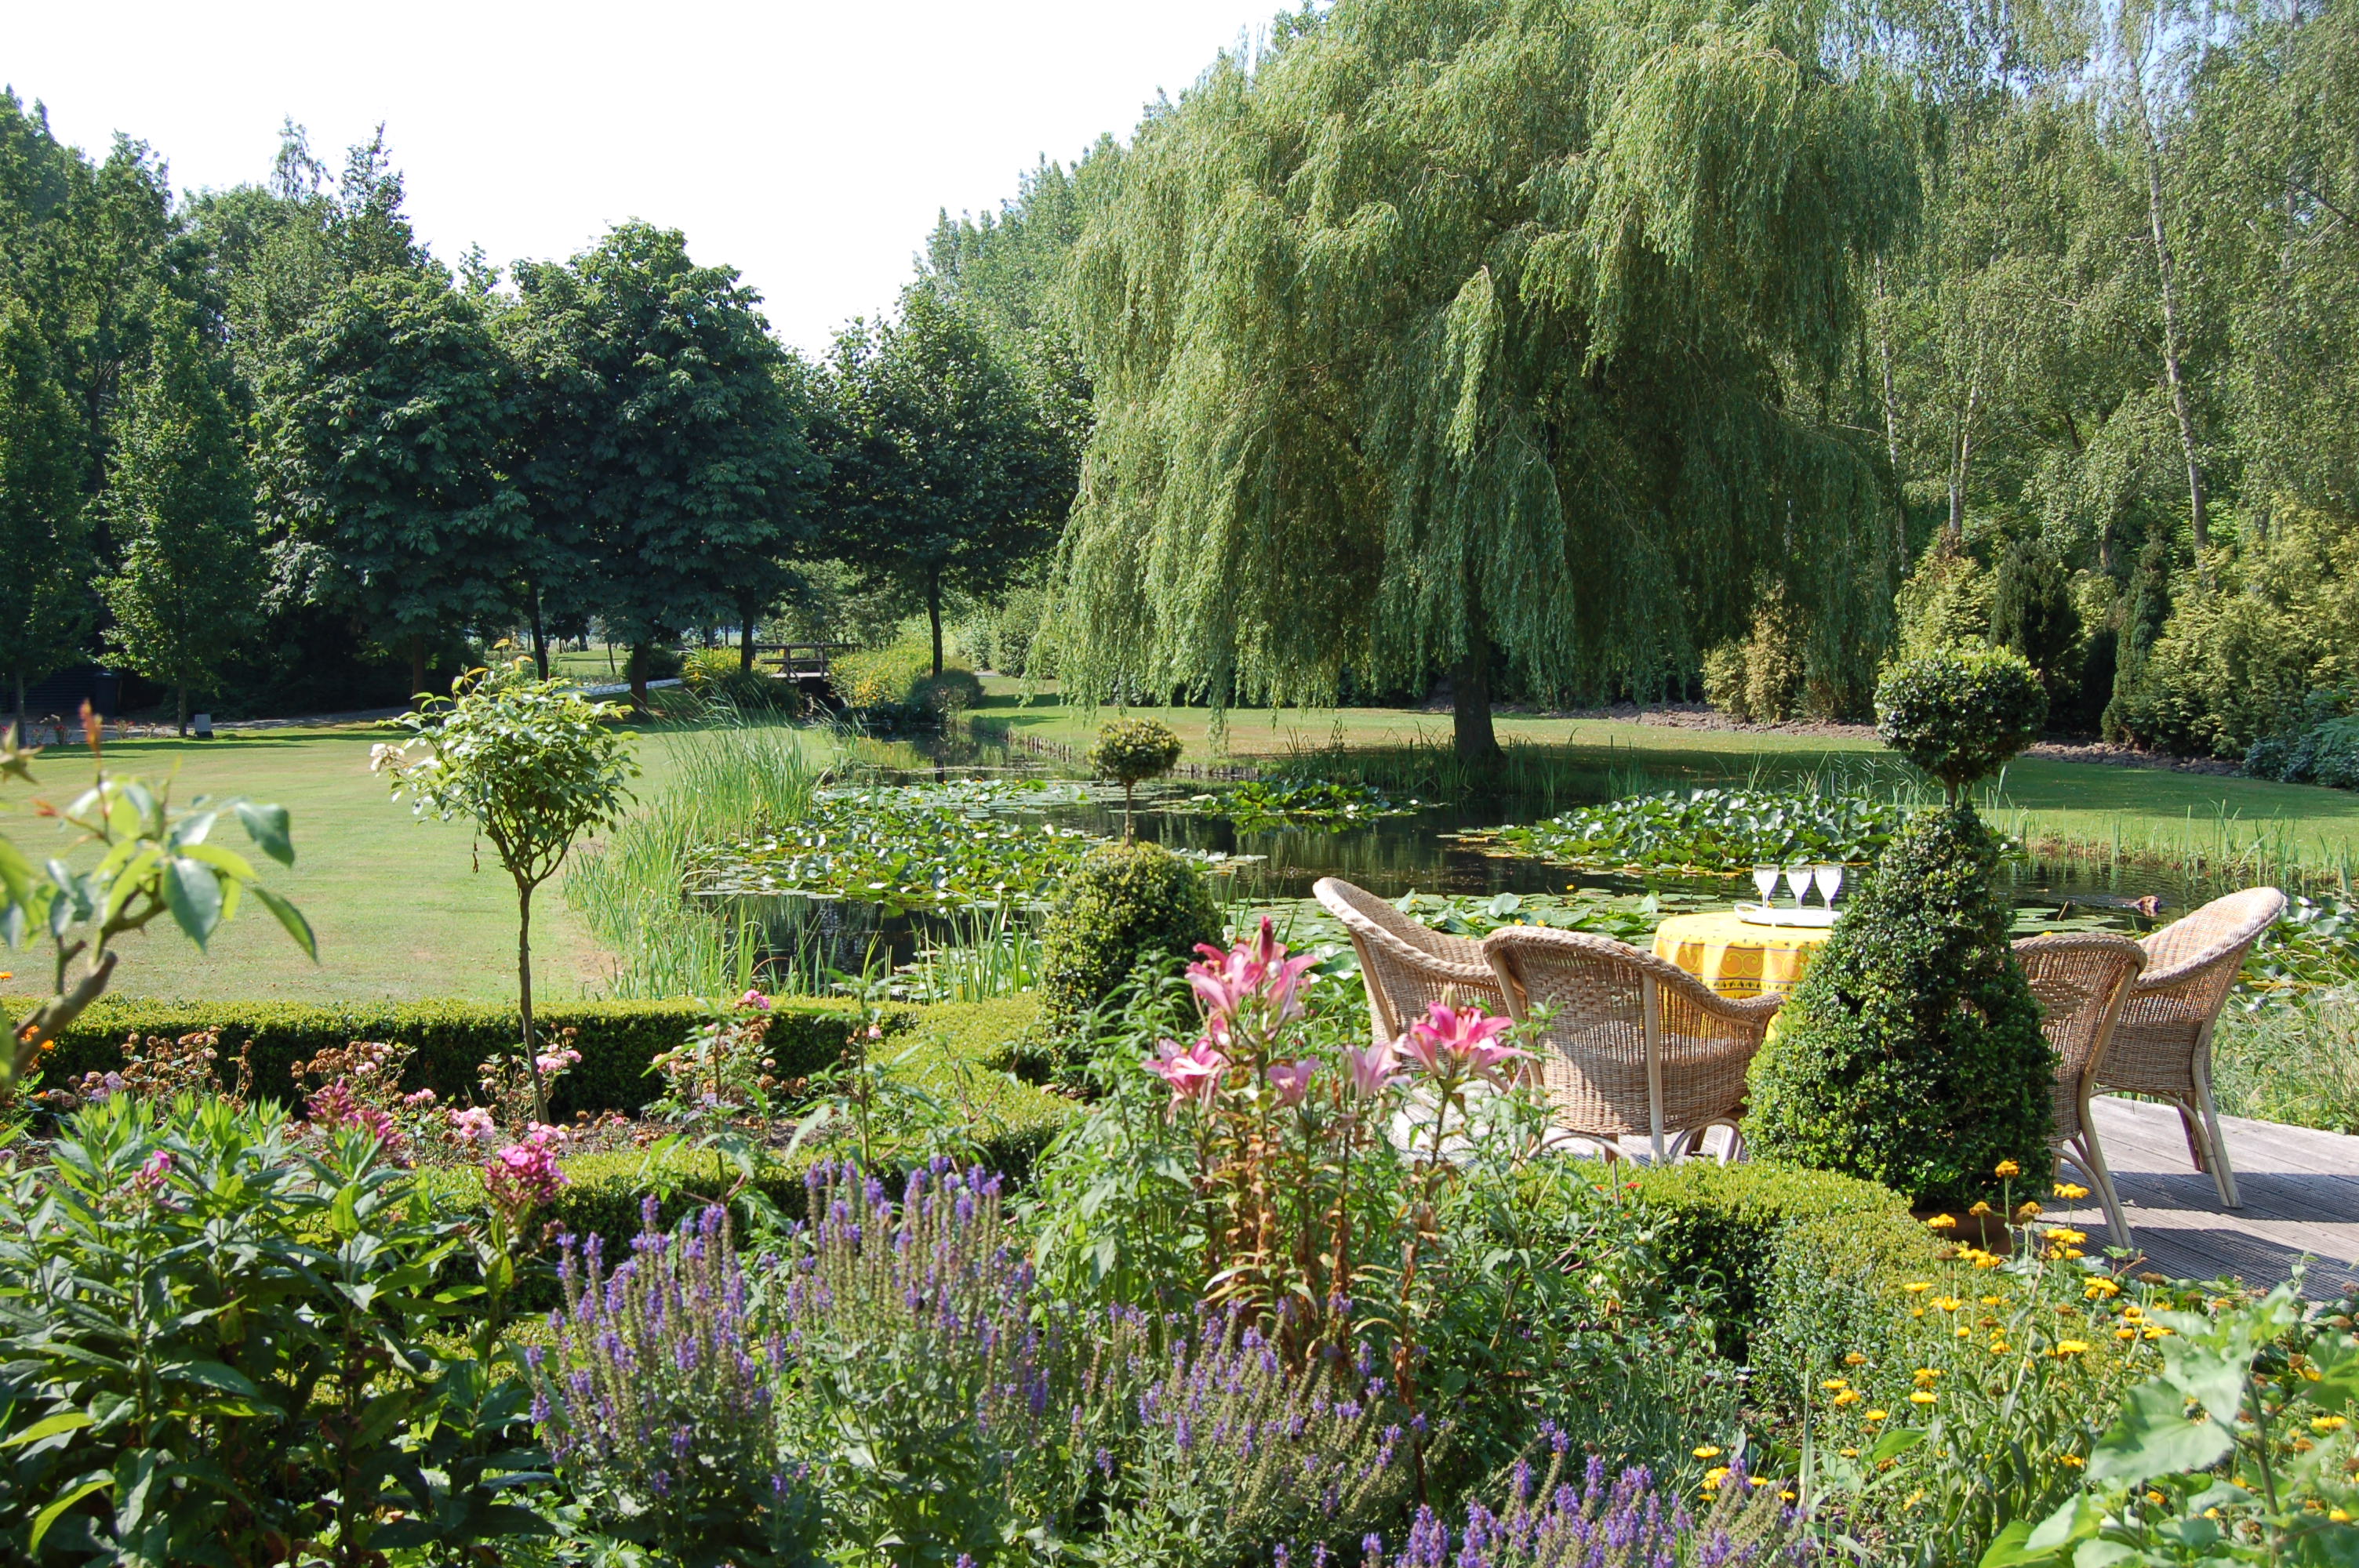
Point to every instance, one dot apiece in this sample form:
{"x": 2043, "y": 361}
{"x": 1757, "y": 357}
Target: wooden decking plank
{"x": 2147, "y": 1137}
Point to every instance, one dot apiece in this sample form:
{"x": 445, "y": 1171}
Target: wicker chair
{"x": 1633, "y": 1043}
{"x": 2162, "y": 1047}
{"x": 2082, "y": 979}
{"x": 1408, "y": 965}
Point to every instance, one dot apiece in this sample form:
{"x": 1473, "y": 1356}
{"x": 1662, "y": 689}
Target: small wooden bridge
{"x": 795, "y": 661}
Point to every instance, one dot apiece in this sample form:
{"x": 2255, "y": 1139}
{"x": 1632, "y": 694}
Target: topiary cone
{"x": 1912, "y": 1052}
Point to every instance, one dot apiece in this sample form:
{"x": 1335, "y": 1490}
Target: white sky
{"x": 808, "y": 145}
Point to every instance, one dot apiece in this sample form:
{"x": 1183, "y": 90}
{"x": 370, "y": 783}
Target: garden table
{"x": 1736, "y": 958}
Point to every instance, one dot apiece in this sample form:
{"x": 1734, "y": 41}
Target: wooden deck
{"x": 2300, "y": 1192}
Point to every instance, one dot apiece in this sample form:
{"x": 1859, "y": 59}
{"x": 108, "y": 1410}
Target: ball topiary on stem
{"x": 1960, "y": 716}
{"x": 1125, "y": 903}
{"x": 1912, "y": 1052}
{"x": 1130, "y": 751}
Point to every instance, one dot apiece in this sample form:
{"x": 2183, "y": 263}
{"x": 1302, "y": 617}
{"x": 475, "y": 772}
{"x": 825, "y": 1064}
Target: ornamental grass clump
{"x": 1627, "y": 1522}
{"x": 658, "y": 1400}
{"x": 1912, "y": 1052}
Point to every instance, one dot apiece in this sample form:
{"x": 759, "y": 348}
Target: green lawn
{"x": 2145, "y": 810}
{"x": 401, "y": 913}
{"x": 398, "y": 908}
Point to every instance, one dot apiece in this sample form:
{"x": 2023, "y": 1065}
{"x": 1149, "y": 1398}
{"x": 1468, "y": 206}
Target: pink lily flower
{"x": 1374, "y": 1068}
{"x": 1448, "y": 1041}
{"x": 1291, "y": 1081}
{"x": 1228, "y": 981}
{"x": 1193, "y": 1074}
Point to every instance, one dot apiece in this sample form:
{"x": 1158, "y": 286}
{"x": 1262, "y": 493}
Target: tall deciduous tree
{"x": 390, "y": 422}
{"x": 181, "y": 502}
{"x": 662, "y": 449}
{"x": 44, "y": 546}
{"x": 1456, "y": 332}
{"x": 944, "y": 479}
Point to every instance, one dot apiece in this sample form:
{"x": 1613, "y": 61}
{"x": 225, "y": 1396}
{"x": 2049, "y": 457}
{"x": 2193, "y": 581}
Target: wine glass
{"x": 1797, "y": 882}
{"x": 1830, "y": 881}
{"x": 1765, "y": 879}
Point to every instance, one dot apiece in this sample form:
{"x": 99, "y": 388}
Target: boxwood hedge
{"x": 616, "y": 1039}
{"x": 1807, "y": 1261}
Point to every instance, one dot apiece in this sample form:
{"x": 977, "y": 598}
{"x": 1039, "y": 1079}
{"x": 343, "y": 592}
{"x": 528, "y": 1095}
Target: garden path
{"x": 2300, "y": 1189}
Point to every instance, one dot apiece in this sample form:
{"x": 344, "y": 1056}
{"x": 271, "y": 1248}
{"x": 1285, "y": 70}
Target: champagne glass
{"x": 1830, "y": 881}
{"x": 1765, "y": 879}
{"x": 1797, "y": 882}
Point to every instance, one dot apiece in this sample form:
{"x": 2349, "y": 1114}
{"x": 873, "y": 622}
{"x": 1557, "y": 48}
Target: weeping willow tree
{"x": 1466, "y": 335}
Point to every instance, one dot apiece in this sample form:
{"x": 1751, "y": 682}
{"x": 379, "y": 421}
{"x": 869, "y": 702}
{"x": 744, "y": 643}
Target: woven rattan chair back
{"x": 1633, "y": 1044}
{"x": 2162, "y": 1047}
{"x": 1406, "y": 965}
{"x": 2082, "y": 979}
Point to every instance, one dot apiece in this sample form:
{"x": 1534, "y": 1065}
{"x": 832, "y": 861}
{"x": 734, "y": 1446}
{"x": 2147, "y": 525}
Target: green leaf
{"x": 291, "y": 918}
{"x": 2154, "y": 1437}
{"x": 68, "y": 1420}
{"x": 55, "y": 1510}
{"x": 267, "y": 825}
{"x": 225, "y": 860}
{"x": 215, "y": 1375}
{"x": 1896, "y": 1443}
{"x": 193, "y": 896}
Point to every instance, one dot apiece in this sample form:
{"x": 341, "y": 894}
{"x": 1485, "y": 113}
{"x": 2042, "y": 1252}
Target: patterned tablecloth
{"x": 1737, "y": 959}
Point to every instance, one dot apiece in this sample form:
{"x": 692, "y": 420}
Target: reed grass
{"x": 732, "y": 774}
{"x": 2293, "y": 1060}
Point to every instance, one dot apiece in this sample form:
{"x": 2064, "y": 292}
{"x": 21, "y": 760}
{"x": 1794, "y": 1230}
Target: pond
{"x": 1418, "y": 852}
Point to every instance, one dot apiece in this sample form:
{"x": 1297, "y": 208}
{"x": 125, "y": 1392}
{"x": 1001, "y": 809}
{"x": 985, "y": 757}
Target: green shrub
{"x": 1126, "y": 903}
{"x": 718, "y": 675}
{"x": 1758, "y": 678}
{"x": 2320, "y": 747}
{"x": 1945, "y": 605}
{"x": 1912, "y": 1052}
{"x": 616, "y": 1039}
{"x": 949, "y": 694}
{"x": 1805, "y": 1261}
{"x": 1959, "y": 715}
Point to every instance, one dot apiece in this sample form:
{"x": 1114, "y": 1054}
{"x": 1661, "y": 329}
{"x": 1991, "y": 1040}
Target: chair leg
{"x": 2223, "y": 1175}
{"x": 2194, "y": 1131}
{"x": 2092, "y": 1156}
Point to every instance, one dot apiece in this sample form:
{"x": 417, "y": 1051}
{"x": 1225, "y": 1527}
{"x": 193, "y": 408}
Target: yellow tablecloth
{"x": 1735, "y": 958}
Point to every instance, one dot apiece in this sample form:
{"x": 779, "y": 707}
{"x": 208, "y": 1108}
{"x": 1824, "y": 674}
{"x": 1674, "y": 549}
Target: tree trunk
{"x": 20, "y": 708}
{"x": 540, "y": 637}
{"x": 2166, "y": 267}
{"x": 524, "y": 997}
{"x": 182, "y": 692}
{"x": 638, "y": 668}
{"x": 417, "y": 667}
{"x": 746, "y": 640}
{"x": 934, "y": 617}
{"x": 1469, "y": 702}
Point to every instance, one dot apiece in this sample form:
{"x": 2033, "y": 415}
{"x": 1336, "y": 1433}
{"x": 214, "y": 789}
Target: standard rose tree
{"x": 1130, "y": 751}
{"x": 533, "y": 764}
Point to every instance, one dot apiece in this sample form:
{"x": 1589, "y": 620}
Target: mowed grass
{"x": 400, "y": 911}
{"x": 2145, "y": 811}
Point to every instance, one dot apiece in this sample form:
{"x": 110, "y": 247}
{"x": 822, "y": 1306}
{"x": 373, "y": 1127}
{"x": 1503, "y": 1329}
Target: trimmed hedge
{"x": 1807, "y": 1260}
{"x": 616, "y": 1039}
{"x": 1012, "y": 1120}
